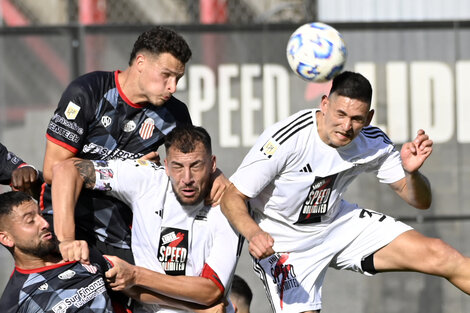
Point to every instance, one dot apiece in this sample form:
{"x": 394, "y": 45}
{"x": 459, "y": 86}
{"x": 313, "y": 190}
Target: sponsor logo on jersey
{"x": 67, "y": 274}
{"x": 64, "y": 122}
{"x": 81, "y": 297}
{"x": 146, "y": 130}
{"x": 173, "y": 250}
{"x": 316, "y": 203}
{"x": 270, "y": 147}
{"x": 106, "y": 120}
{"x": 43, "y": 287}
{"x": 71, "y": 111}
{"x": 129, "y": 126}
{"x": 283, "y": 274}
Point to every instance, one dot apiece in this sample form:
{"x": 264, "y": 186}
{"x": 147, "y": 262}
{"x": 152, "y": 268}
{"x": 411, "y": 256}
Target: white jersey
{"x": 168, "y": 237}
{"x": 296, "y": 182}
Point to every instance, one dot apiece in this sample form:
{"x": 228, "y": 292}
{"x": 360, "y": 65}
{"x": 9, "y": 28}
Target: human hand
{"x": 75, "y": 250}
{"x": 121, "y": 276}
{"x": 261, "y": 245}
{"x": 152, "y": 157}
{"x": 414, "y": 153}
{"x": 219, "y": 184}
{"x": 24, "y": 179}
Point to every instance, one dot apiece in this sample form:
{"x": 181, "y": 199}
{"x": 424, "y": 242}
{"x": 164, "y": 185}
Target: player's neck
{"x": 26, "y": 261}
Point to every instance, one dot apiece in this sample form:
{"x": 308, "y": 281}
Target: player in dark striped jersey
{"x": 41, "y": 280}
{"x": 294, "y": 179}
{"x": 19, "y": 174}
{"x": 116, "y": 115}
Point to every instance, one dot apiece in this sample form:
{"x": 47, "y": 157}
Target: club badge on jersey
{"x": 146, "y": 130}
{"x": 173, "y": 250}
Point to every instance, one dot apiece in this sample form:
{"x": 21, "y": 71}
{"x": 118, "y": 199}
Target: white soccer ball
{"x": 316, "y": 52}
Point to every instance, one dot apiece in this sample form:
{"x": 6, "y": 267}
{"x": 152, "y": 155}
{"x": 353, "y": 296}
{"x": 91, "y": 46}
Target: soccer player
{"x": 41, "y": 280}
{"x": 116, "y": 115}
{"x": 240, "y": 295}
{"x": 20, "y": 175}
{"x": 174, "y": 232}
{"x": 294, "y": 178}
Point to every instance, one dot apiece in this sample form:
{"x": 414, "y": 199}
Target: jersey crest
{"x": 316, "y": 203}
{"x": 173, "y": 250}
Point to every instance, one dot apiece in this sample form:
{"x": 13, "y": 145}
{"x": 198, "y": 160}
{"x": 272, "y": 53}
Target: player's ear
{"x": 324, "y": 103}
{"x": 214, "y": 165}
{"x": 166, "y": 167}
{"x": 6, "y": 240}
{"x": 370, "y": 115}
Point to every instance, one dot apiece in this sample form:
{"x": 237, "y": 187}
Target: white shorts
{"x": 293, "y": 280}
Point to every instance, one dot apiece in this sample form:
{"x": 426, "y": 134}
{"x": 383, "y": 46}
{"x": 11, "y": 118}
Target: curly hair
{"x": 159, "y": 40}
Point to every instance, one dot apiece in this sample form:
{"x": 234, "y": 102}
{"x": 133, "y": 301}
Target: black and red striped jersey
{"x": 96, "y": 121}
{"x": 8, "y": 163}
{"x": 61, "y": 288}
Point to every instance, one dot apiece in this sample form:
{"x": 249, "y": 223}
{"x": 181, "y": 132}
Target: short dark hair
{"x": 240, "y": 287}
{"x": 352, "y": 85}
{"x": 185, "y": 137}
{"x": 11, "y": 199}
{"x": 159, "y": 40}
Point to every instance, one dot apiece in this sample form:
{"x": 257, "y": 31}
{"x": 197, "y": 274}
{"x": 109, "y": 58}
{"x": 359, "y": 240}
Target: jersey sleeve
{"x": 271, "y": 154}
{"x": 225, "y": 251}
{"x": 8, "y": 163}
{"x": 391, "y": 169}
{"x": 126, "y": 180}
{"x": 68, "y": 126}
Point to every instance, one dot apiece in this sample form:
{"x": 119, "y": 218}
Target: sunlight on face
{"x": 159, "y": 76}
{"x": 341, "y": 119}
{"x": 190, "y": 173}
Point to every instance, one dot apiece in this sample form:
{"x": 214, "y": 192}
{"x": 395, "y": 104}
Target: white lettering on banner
{"x": 201, "y": 91}
{"x": 419, "y": 94}
{"x": 227, "y": 105}
{"x": 462, "y": 69}
{"x": 250, "y": 104}
{"x": 202, "y": 94}
{"x": 432, "y": 98}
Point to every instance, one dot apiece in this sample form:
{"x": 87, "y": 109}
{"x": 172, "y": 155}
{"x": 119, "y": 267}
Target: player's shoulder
{"x": 293, "y": 125}
{"x": 373, "y": 135}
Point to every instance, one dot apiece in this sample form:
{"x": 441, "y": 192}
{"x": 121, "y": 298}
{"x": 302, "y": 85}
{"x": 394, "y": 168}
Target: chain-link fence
{"x": 135, "y": 12}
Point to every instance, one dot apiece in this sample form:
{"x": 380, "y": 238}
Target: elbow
{"x": 211, "y": 298}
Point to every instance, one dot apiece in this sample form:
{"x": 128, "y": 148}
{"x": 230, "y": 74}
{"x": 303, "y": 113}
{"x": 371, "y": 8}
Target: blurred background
{"x": 415, "y": 53}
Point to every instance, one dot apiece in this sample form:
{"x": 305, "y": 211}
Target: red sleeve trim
{"x": 123, "y": 96}
{"x": 41, "y": 197}
{"x": 62, "y": 144}
{"x": 208, "y": 272}
{"x": 42, "y": 269}
{"x": 24, "y": 164}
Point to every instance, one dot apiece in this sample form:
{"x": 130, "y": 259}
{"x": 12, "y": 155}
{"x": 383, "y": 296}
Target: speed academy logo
{"x": 173, "y": 250}
{"x": 282, "y": 273}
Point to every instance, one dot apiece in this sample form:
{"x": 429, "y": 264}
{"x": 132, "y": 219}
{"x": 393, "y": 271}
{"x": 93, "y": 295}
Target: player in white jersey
{"x": 173, "y": 231}
{"x": 294, "y": 178}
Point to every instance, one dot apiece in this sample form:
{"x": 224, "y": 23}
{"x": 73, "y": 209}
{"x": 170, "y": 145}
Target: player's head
{"x": 189, "y": 163}
{"x": 158, "y": 59}
{"x": 23, "y": 231}
{"x": 240, "y": 295}
{"x": 158, "y": 40}
{"x": 346, "y": 110}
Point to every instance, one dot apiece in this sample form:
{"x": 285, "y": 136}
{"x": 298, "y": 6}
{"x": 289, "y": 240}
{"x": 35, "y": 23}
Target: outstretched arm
{"x": 68, "y": 178}
{"x": 414, "y": 188}
{"x": 234, "y": 207}
{"x": 200, "y": 290}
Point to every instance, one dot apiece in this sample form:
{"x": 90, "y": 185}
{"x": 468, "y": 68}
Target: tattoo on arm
{"x": 87, "y": 172}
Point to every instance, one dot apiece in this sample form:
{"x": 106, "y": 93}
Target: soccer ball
{"x": 316, "y": 52}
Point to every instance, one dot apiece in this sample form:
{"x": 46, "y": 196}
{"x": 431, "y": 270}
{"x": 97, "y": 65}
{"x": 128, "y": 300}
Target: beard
{"x": 43, "y": 249}
{"x": 185, "y": 201}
